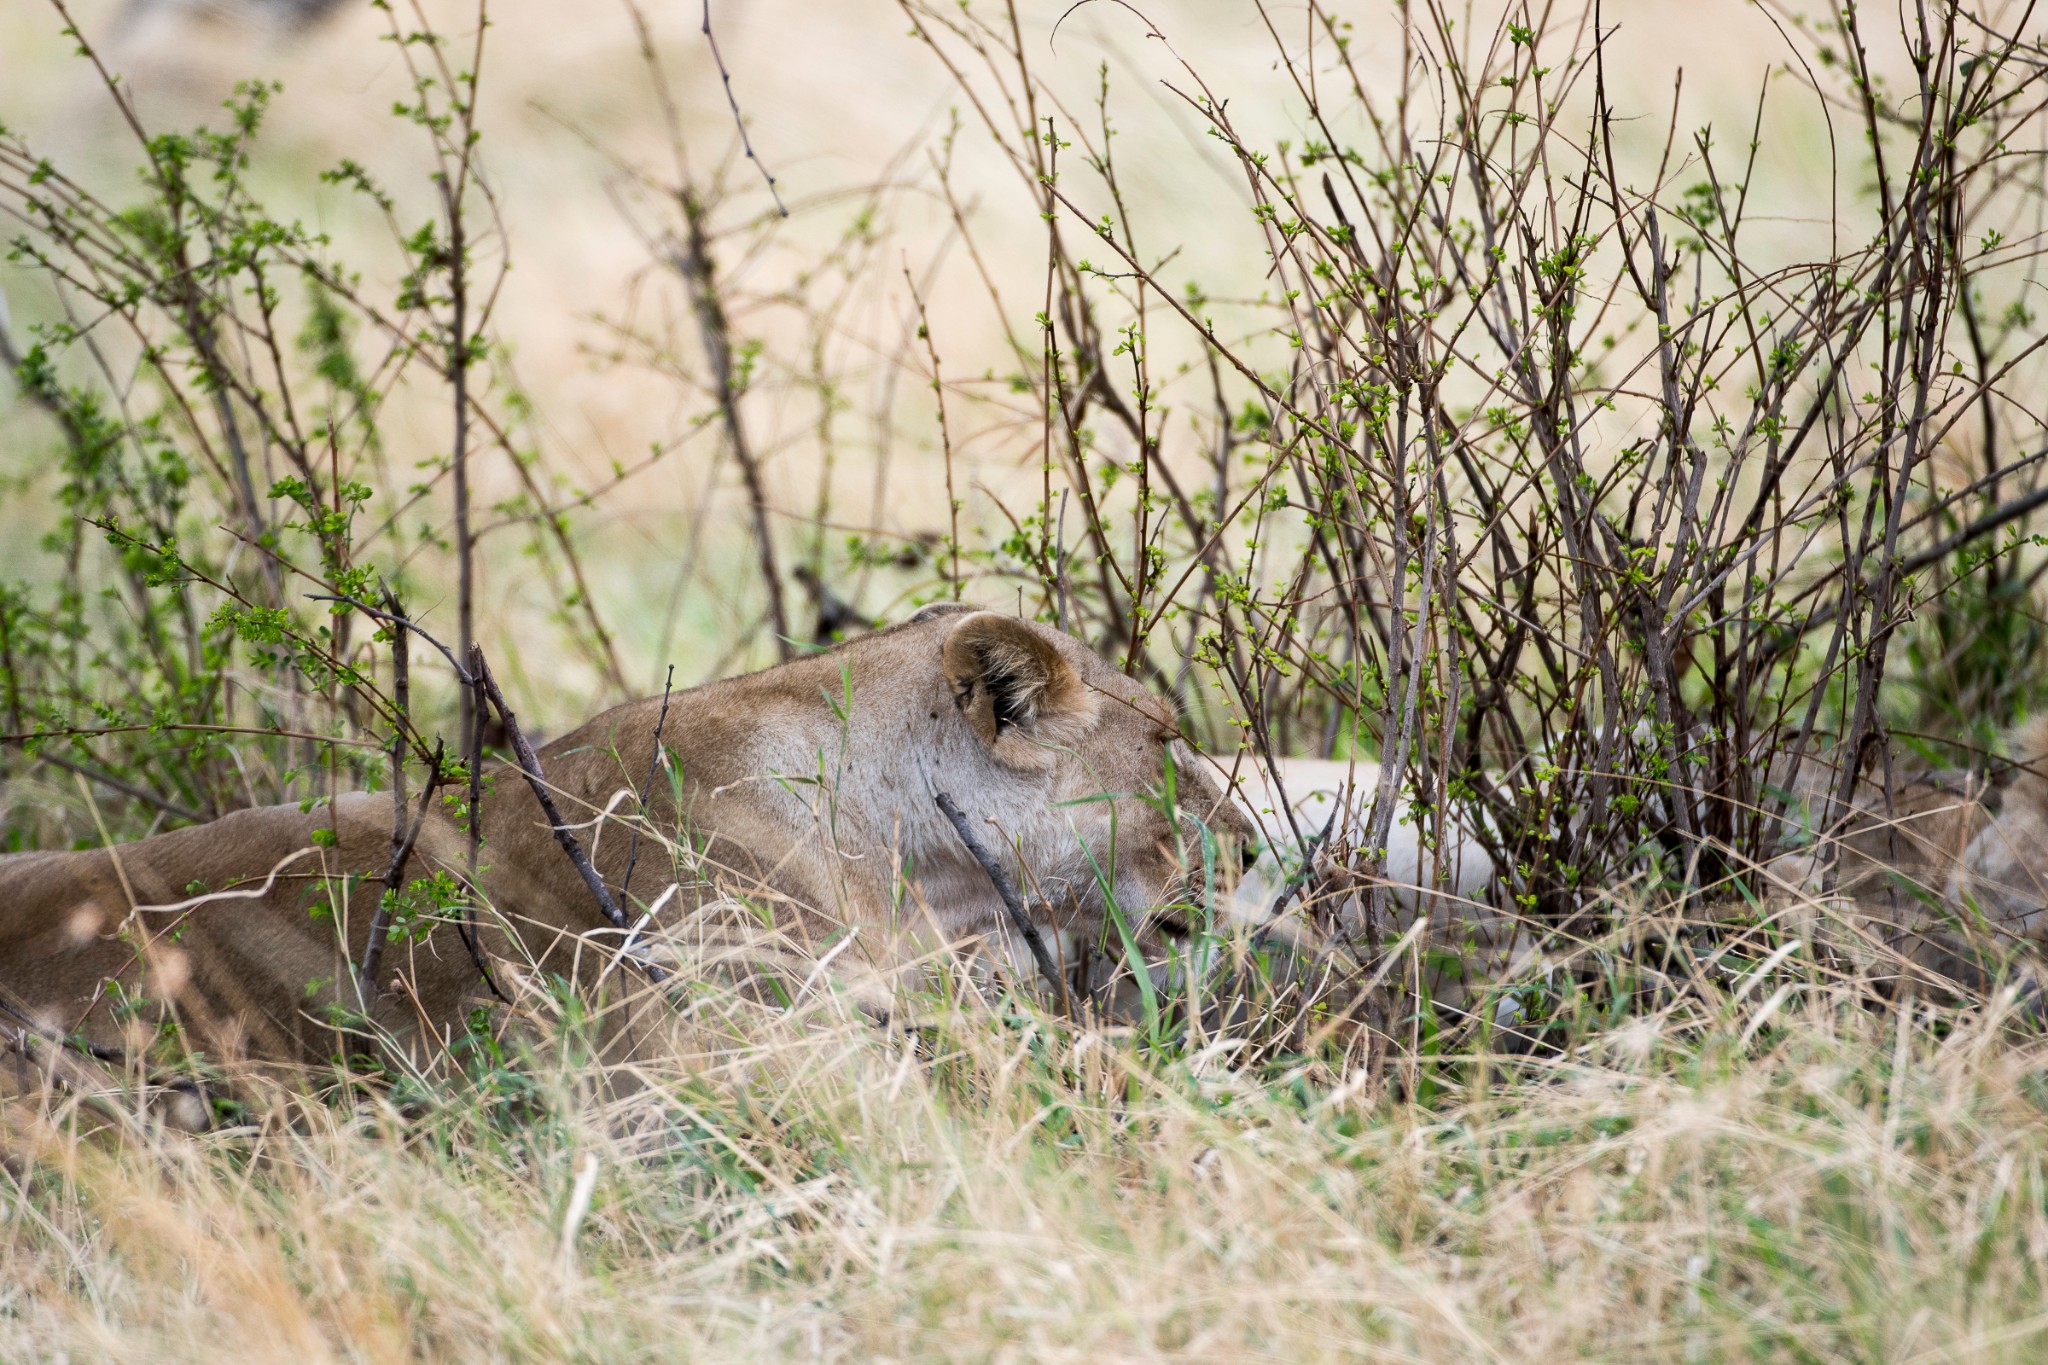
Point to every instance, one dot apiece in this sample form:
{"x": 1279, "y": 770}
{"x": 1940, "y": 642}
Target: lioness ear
{"x": 1014, "y": 688}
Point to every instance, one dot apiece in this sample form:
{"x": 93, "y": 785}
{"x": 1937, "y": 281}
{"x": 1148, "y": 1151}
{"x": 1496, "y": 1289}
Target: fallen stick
{"x": 1020, "y": 919}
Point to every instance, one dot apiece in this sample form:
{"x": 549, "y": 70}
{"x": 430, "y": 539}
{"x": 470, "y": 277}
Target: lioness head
{"x": 1127, "y": 814}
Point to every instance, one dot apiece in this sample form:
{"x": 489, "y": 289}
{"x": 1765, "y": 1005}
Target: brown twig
{"x": 472, "y": 936}
{"x": 647, "y": 788}
{"x": 1020, "y": 918}
{"x": 692, "y": 260}
{"x": 458, "y": 358}
{"x": 126, "y": 788}
{"x": 536, "y": 780}
{"x": 403, "y": 838}
{"x": 924, "y": 332}
{"x": 746, "y": 143}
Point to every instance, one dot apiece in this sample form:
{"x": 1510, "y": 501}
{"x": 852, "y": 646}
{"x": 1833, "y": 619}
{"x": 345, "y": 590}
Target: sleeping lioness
{"x": 800, "y": 798}
{"x": 1938, "y": 883}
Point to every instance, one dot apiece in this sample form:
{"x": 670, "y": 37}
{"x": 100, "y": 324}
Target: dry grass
{"x": 1847, "y": 1184}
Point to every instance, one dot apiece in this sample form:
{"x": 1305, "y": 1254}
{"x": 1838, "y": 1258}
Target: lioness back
{"x": 205, "y": 925}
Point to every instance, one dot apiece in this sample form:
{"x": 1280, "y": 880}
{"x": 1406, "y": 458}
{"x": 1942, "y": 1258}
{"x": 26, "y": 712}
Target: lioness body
{"x": 1929, "y": 882}
{"x": 805, "y": 792}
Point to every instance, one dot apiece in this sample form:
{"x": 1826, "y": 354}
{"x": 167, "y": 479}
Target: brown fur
{"x": 1941, "y": 883}
{"x": 2003, "y": 873}
{"x": 805, "y": 793}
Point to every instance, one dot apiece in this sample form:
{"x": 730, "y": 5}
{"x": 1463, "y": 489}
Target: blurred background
{"x": 853, "y": 115}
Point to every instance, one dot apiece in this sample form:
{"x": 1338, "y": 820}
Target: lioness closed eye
{"x": 803, "y": 794}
